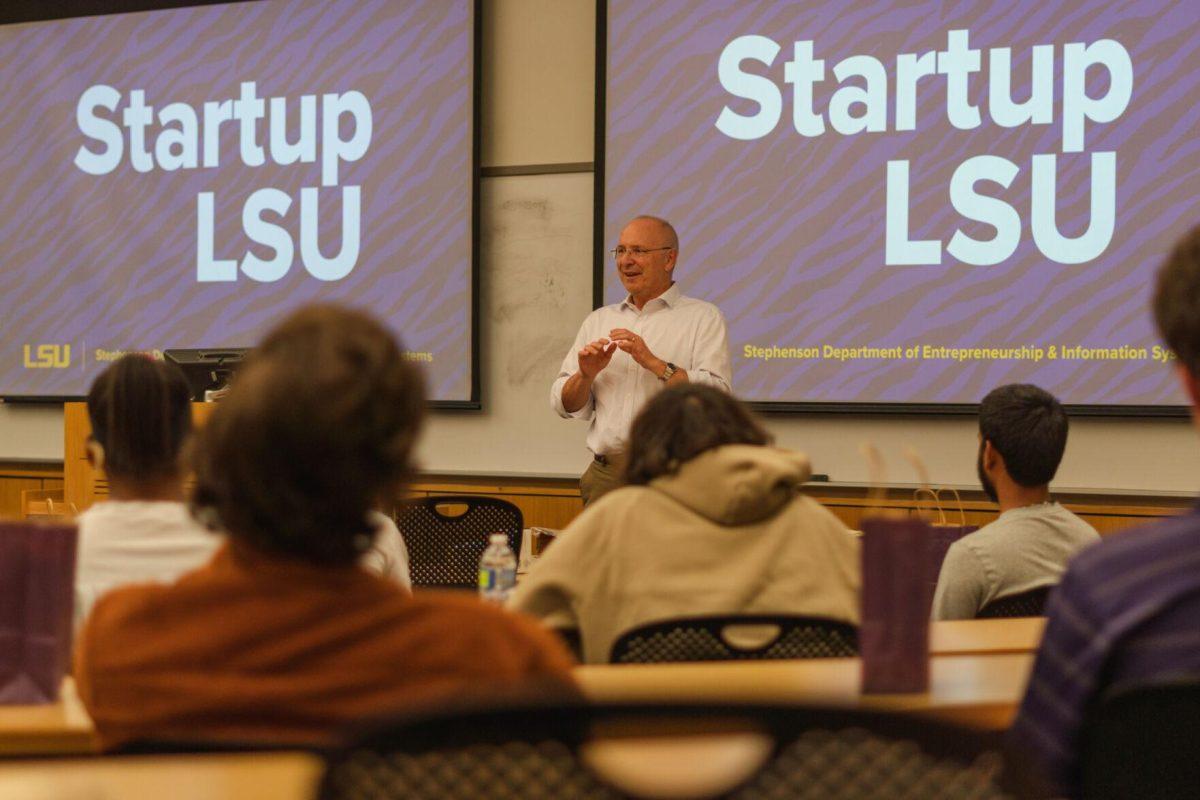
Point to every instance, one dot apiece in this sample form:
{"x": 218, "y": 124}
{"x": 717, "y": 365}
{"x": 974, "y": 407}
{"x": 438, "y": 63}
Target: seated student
{"x": 1022, "y": 435}
{"x": 141, "y": 416}
{"x": 710, "y": 522}
{"x": 1127, "y": 610}
{"x": 282, "y": 637}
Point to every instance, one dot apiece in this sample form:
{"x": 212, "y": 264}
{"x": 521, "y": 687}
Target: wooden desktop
{"x": 978, "y": 674}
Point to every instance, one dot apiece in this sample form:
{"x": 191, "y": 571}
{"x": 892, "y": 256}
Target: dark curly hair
{"x": 682, "y": 422}
{"x": 320, "y": 426}
{"x": 141, "y": 414}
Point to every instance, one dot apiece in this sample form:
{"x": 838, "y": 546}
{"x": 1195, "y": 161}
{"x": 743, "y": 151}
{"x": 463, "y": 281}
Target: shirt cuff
{"x": 585, "y": 412}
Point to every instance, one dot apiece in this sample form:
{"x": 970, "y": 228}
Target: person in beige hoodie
{"x": 711, "y": 521}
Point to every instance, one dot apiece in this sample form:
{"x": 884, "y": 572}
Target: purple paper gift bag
{"x": 37, "y": 596}
{"x": 893, "y": 636}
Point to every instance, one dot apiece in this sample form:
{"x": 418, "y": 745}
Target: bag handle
{"x": 962, "y": 512}
{"x": 926, "y": 487}
{"x": 923, "y": 492}
{"x": 877, "y": 479}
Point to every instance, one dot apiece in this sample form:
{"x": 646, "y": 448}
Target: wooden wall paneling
{"x": 554, "y": 502}
{"x": 10, "y": 493}
{"x": 1113, "y": 519}
{"x": 19, "y": 477}
{"x": 1107, "y": 516}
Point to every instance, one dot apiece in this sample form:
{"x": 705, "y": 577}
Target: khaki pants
{"x": 600, "y": 479}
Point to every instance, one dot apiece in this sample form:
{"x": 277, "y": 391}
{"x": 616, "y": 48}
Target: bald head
{"x": 666, "y": 229}
{"x": 645, "y": 256}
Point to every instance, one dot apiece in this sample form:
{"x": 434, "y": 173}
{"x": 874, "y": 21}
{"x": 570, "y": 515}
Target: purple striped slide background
{"x": 109, "y": 262}
{"x": 786, "y": 233}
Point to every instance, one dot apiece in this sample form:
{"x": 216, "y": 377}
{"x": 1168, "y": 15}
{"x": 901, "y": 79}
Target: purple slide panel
{"x": 914, "y": 202}
{"x": 185, "y": 178}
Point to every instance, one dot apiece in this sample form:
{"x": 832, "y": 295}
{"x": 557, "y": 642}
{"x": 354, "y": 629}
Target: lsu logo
{"x": 47, "y": 356}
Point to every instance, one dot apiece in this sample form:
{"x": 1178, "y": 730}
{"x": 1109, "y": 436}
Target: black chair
{"x": 444, "y": 548}
{"x": 1026, "y": 604}
{"x": 1141, "y": 741}
{"x": 715, "y": 639}
{"x": 551, "y": 747}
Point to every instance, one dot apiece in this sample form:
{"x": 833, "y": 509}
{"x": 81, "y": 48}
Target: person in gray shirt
{"x": 1022, "y": 435}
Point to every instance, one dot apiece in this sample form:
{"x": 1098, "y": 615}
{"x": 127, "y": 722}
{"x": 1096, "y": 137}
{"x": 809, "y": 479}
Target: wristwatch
{"x": 668, "y": 372}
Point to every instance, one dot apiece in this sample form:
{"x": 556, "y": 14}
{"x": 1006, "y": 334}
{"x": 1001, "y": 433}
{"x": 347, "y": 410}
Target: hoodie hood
{"x": 737, "y": 484}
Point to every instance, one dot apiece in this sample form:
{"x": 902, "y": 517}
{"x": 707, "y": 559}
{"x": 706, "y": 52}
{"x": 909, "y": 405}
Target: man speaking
{"x": 626, "y": 352}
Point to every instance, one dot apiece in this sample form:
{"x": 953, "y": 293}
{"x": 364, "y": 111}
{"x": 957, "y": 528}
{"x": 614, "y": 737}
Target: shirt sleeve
{"x": 570, "y": 366}
{"x": 1064, "y": 680}
{"x": 711, "y": 365}
{"x": 388, "y": 556}
{"x": 960, "y": 586}
{"x": 85, "y": 598}
{"x": 89, "y": 580}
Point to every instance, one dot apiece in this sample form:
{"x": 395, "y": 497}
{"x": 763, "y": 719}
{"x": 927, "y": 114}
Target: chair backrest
{"x": 738, "y": 637}
{"x": 555, "y": 748}
{"x": 444, "y": 546}
{"x": 1140, "y": 741}
{"x": 1026, "y": 604}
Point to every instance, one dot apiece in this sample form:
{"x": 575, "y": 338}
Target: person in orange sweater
{"x": 282, "y": 638}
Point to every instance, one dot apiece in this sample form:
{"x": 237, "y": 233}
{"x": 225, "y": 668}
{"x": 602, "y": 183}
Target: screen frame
{"x": 24, "y": 11}
{"x": 796, "y": 407}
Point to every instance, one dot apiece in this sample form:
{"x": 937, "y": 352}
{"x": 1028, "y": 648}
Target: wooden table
{"x": 980, "y": 684}
{"x": 58, "y": 728}
{"x": 256, "y": 776}
{"x": 984, "y": 636}
{"x": 978, "y": 690}
{"x": 982, "y": 690}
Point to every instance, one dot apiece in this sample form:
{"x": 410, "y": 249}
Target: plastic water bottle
{"x": 497, "y": 570}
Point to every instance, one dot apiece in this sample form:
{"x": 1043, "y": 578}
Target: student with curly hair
{"x": 283, "y": 637}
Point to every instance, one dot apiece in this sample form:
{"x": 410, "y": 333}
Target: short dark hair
{"x": 682, "y": 422}
{"x": 1027, "y": 426}
{"x": 1177, "y": 301}
{"x": 140, "y": 411}
{"x": 319, "y": 428}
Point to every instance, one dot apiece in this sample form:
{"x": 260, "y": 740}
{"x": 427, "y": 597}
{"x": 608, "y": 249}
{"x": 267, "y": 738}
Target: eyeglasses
{"x": 621, "y": 251}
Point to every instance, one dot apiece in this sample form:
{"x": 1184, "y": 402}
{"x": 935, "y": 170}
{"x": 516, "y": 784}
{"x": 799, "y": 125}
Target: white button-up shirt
{"x": 687, "y": 332}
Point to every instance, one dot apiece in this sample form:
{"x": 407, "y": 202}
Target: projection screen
{"x": 902, "y": 205}
{"x": 185, "y": 177}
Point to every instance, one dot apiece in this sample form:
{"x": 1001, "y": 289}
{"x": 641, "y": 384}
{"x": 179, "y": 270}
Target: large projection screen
{"x": 901, "y": 205}
{"x": 185, "y": 177}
